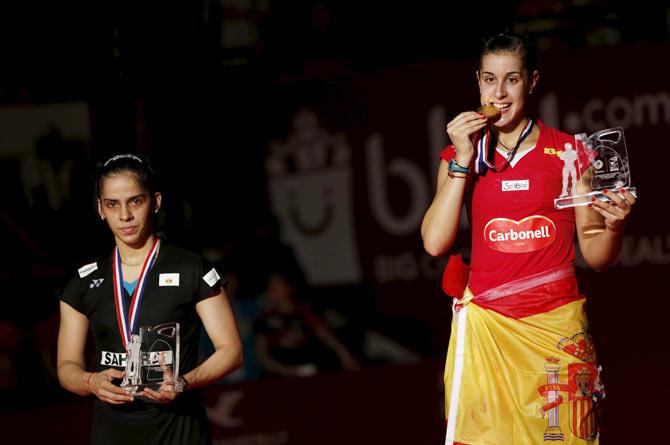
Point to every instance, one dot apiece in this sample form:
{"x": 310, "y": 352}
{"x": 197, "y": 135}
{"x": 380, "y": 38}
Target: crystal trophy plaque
{"x": 592, "y": 165}
{"x": 153, "y": 360}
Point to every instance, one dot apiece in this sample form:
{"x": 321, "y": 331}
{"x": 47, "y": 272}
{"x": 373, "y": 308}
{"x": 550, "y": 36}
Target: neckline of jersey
{"x": 161, "y": 254}
{"x": 520, "y": 156}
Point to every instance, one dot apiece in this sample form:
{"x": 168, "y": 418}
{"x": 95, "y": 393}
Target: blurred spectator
{"x": 254, "y": 254}
{"x": 246, "y": 312}
{"x": 290, "y": 337}
{"x": 55, "y": 182}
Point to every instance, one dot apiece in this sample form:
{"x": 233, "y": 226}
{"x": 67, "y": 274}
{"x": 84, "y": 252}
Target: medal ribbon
{"x": 128, "y": 318}
{"x": 486, "y": 143}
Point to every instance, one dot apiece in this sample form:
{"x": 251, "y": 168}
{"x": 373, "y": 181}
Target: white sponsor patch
{"x": 117, "y": 359}
{"x": 211, "y": 277}
{"x": 88, "y": 269}
{"x": 168, "y": 279}
{"x": 516, "y": 186}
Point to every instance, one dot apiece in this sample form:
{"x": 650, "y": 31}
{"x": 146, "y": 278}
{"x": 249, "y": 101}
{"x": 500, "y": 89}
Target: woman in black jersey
{"x": 174, "y": 286}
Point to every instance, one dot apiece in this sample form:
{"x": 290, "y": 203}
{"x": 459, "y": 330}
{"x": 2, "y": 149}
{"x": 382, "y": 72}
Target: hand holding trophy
{"x": 592, "y": 167}
{"x": 152, "y": 364}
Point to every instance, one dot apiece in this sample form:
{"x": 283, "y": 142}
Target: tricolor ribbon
{"x": 128, "y": 318}
{"x": 486, "y": 146}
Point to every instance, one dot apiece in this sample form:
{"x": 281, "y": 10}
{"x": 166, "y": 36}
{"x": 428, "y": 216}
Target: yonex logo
{"x": 96, "y": 283}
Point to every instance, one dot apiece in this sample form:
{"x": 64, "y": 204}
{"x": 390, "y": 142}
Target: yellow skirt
{"x": 512, "y": 380}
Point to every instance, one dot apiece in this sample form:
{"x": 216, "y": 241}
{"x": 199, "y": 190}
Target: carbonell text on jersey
{"x": 513, "y": 235}
{"x": 510, "y": 236}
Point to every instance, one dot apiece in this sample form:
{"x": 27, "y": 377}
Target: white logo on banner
{"x": 221, "y": 414}
{"x": 646, "y": 109}
{"x": 313, "y": 201}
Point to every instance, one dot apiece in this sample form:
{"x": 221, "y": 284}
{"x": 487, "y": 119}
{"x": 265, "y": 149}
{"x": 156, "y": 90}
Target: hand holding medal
{"x": 487, "y": 140}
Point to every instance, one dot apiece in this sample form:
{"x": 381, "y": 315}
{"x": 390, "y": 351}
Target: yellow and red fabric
{"x": 521, "y": 367}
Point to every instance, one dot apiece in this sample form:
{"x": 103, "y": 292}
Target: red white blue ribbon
{"x": 486, "y": 145}
{"x": 127, "y": 318}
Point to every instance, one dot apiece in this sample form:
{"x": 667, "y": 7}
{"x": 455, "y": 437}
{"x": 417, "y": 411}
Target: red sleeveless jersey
{"x": 516, "y": 231}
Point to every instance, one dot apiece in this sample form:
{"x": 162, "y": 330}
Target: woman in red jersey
{"x": 521, "y": 367}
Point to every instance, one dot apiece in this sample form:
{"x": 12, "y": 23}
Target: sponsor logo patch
{"x": 88, "y": 269}
{"x": 168, "y": 279}
{"x": 515, "y": 186}
{"x": 531, "y": 233}
{"x": 96, "y": 283}
{"x": 211, "y": 277}
{"x": 117, "y": 359}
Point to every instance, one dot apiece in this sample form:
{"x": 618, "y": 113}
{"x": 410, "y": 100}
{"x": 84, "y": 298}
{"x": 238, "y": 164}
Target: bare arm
{"x": 600, "y": 229}
{"x": 219, "y": 322}
{"x": 440, "y": 223}
{"x": 70, "y": 363}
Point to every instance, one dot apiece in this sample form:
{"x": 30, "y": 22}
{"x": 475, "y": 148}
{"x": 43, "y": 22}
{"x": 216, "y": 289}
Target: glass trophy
{"x": 593, "y": 164}
{"x": 153, "y": 360}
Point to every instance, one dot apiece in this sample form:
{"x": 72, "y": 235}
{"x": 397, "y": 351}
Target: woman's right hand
{"x": 460, "y": 130}
{"x": 100, "y": 384}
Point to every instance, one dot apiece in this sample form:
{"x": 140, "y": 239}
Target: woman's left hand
{"x": 616, "y": 211}
{"x": 165, "y": 394}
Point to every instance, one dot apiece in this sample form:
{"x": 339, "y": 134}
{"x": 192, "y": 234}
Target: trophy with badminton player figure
{"x": 153, "y": 360}
{"x": 592, "y": 165}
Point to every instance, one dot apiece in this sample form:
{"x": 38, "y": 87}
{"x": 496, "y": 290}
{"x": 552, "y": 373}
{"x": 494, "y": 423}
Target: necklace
{"x": 486, "y": 148}
{"x": 135, "y": 264}
{"x": 132, "y": 265}
{"x": 499, "y": 141}
{"x": 519, "y": 140}
{"x": 528, "y": 128}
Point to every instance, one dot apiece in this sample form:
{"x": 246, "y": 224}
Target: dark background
{"x": 204, "y": 88}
